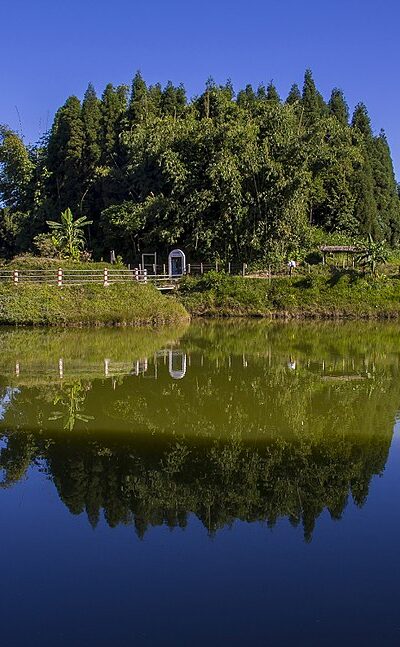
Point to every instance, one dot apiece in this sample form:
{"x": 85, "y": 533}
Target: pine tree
{"x": 64, "y": 159}
{"x": 338, "y": 107}
{"x": 138, "y": 103}
{"x": 385, "y": 189}
{"x": 361, "y": 120}
{"x": 365, "y": 209}
{"x": 272, "y": 93}
{"x": 169, "y": 100}
{"x": 91, "y": 117}
{"x": 113, "y": 107}
{"x": 247, "y": 98}
{"x": 155, "y": 99}
{"x": 377, "y": 177}
{"x": 181, "y": 100}
{"x": 261, "y": 92}
{"x": 294, "y": 95}
{"x": 313, "y": 103}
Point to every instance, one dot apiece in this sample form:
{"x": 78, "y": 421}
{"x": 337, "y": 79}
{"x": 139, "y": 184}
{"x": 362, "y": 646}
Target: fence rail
{"x": 103, "y": 277}
{"x": 198, "y": 268}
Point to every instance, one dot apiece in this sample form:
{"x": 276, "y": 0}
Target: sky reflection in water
{"x": 249, "y": 440}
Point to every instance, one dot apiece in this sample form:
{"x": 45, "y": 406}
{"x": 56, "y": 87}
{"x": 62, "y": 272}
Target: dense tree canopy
{"x": 232, "y": 176}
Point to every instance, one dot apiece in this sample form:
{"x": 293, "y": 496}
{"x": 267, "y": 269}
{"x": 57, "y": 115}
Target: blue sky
{"x": 51, "y": 49}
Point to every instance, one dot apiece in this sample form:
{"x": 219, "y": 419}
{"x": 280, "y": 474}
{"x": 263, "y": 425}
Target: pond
{"x": 219, "y": 483}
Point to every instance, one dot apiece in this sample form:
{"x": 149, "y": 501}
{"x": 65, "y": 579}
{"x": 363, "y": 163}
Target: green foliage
{"x": 337, "y": 294}
{"x": 338, "y": 107}
{"x": 46, "y": 245}
{"x": 236, "y": 178}
{"x": 374, "y": 253}
{"x": 16, "y": 169}
{"x": 68, "y": 236}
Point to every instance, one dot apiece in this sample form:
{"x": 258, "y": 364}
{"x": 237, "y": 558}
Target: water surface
{"x": 223, "y": 483}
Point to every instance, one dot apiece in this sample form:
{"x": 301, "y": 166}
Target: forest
{"x": 246, "y": 176}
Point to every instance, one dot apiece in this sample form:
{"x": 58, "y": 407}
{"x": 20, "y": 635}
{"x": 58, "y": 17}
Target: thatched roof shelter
{"x": 340, "y": 249}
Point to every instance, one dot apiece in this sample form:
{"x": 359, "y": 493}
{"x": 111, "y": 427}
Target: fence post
{"x": 60, "y": 277}
{"x": 229, "y": 267}
{"x": 201, "y": 268}
{"x": 164, "y": 270}
{"x": 15, "y": 277}
{"x": 244, "y": 269}
{"x": 216, "y": 266}
{"x": 136, "y": 274}
{"x": 105, "y": 277}
{"x": 188, "y": 269}
{"x": 145, "y": 276}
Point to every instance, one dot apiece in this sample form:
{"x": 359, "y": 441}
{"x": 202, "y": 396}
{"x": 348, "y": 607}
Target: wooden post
{"x": 216, "y": 266}
{"x": 60, "y": 277}
{"x": 164, "y": 269}
{"x": 201, "y": 268}
{"x": 145, "y": 276}
{"x": 188, "y": 268}
{"x": 136, "y": 274}
{"x": 229, "y": 267}
{"x": 61, "y": 367}
{"x": 105, "y": 278}
{"x": 244, "y": 269}
{"x": 15, "y": 277}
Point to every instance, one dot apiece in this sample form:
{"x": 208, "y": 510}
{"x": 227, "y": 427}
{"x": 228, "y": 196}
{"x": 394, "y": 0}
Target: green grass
{"x": 340, "y": 294}
{"x": 28, "y": 262}
{"x": 88, "y": 305}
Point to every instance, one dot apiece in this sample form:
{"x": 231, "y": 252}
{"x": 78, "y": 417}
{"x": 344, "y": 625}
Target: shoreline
{"x": 341, "y": 297}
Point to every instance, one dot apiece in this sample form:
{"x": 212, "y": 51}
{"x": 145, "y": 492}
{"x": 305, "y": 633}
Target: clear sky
{"x": 52, "y": 49}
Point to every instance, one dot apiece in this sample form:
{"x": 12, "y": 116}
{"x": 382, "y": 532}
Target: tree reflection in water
{"x": 218, "y": 481}
{"x": 71, "y": 401}
{"x": 266, "y": 423}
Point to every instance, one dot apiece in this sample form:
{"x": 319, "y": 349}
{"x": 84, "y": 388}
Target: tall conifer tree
{"x": 272, "y": 93}
{"x": 91, "y": 117}
{"x": 138, "y": 104}
{"x": 113, "y": 108}
{"x": 313, "y": 103}
{"x": 294, "y": 95}
{"x": 65, "y": 151}
{"x": 338, "y": 107}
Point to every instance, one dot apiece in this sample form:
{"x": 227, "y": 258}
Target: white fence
{"x": 103, "y": 277}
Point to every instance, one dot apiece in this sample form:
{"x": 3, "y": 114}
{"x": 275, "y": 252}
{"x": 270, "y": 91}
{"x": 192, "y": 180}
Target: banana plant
{"x": 68, "y": 235}
{"x": 373, "y": 253}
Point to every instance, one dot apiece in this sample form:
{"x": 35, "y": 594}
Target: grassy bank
{"x": 88, "y": 305}
{"x": 338, "y": 294}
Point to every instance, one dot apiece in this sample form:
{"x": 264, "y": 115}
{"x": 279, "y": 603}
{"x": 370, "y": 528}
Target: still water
{"x": 230, "y": 483}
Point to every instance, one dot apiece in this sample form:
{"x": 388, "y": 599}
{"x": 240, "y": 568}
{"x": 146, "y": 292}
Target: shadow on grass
{"x": 338, "y": 274}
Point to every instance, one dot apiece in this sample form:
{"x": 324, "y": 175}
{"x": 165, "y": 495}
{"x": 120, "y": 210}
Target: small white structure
{"x": 177, "y": 364}
{"x": 176, "y": 263}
